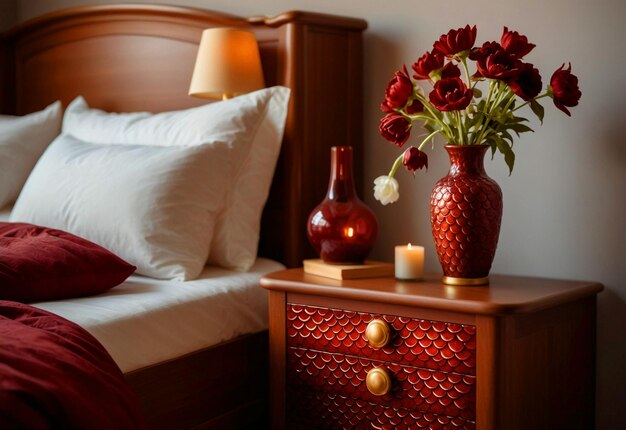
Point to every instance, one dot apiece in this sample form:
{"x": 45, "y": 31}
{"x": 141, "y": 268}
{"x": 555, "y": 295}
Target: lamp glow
{"x": 228, "y": 64}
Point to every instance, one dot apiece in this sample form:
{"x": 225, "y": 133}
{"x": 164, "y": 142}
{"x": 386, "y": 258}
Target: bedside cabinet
{"x": 384, "y": 354}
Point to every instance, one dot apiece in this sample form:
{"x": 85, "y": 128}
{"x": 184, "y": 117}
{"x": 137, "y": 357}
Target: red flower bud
{"x": 564, "y": 89}
{"x": 414, "y": 159}
{"x": 398, "y": 91}
{"x": 395, "y": 128}
{"x": 450, "y": 70}
{"x": 515, "y": 44}
{"x": 527, "y": 84}
{"x": 456, "y": 41}
{"x": 414, "y": 106}
{"x": 450, "y": 94}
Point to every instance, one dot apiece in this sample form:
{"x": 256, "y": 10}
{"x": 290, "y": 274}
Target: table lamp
{"x": 228, "y": 64}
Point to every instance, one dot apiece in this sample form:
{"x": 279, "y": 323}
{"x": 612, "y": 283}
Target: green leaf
{"x": 504, "y": 148}
{"x": 519, "y": 128}
{"x": 507, "y": 136}
{"x": 537, "y": 109}
{"x": 477, "y": 93}
{"x": 480, "y": 107}
{"x": 516, "y": 119}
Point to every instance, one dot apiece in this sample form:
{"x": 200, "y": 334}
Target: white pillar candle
{"x": 409, "y": 262}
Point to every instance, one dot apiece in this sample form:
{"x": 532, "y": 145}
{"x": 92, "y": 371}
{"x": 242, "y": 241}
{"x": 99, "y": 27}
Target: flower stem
{"x": 446, "y": 128}
{"x": 529, "y": 101}
{"x": 484, "y": 120}
{"x": 459, "y": 124}
{"x": 467, "y": 75}
{"x": 396, "y": 165}
{"x": 427, "y": 138}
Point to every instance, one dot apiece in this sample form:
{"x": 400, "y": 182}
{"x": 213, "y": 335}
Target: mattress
{"x": 145, "y": 321}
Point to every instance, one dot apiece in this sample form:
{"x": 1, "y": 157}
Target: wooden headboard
{"x": 125, "y": 58}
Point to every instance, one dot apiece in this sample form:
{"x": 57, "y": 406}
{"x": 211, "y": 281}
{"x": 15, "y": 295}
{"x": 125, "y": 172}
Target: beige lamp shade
{"x": 228, "y": 64}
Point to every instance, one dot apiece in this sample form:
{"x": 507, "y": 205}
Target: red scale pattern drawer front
{"x": 448, "y": 347}
{"x": 335, "y": 412}
{"x": 432, "y": 365}
{"x": 449, "y": 394}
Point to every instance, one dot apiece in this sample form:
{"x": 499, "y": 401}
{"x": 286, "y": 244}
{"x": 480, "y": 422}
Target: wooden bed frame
{"x": 139, "y": 57}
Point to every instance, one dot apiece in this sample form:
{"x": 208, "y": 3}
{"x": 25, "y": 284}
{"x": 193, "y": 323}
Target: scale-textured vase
{"x": 465, "y": 216}
{"x": 341, "y": 228}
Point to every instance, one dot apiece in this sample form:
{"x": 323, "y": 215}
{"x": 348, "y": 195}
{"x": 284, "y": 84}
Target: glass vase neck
{"x": 341, "y": 183}
{"x": 466, "y": 159}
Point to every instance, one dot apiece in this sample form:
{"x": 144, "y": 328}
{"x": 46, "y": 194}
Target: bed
{"x": 127, "y": 58}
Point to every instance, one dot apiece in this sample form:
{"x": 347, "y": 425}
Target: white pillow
{"x": 22, "y": 141}
{"x": 153, "y": 206}
{"x": 252, "y": 125}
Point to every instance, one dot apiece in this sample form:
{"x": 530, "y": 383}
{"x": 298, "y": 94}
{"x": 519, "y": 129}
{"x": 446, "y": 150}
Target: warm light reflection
{"x": 349, "y": 232}
{"x": 409, "y": 245}
{"x": 451, "y": 292}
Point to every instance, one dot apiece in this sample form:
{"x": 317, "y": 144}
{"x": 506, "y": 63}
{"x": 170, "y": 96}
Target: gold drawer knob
{"x": 378, "y": 381}
{"x": 377, "y": 333}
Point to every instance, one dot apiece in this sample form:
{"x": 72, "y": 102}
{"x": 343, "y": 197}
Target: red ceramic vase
{"x": 341, "y": 228}
{"x": 465, "y": 216}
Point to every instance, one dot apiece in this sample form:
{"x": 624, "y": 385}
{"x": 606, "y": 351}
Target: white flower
{"x": 386, "y": 189}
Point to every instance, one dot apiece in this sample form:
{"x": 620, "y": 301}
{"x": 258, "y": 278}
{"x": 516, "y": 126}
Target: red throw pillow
{"x": 39, "y": 263}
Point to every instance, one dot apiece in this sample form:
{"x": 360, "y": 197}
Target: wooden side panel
{"x": 7, "y": 77}
{"x": 549, "y": 381}
{"x": 277, "y": 355}
{"x": 204, "y": 384}
{"x": 325, "y": 77}
{"x": 490, "y": 359}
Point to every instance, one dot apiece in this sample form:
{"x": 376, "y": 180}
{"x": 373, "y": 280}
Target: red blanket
{"x": 55, "y": 375}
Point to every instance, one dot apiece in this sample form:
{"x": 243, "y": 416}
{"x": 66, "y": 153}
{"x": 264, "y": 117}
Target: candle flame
{"x": 349, "y": 232}
{"x": 409, "y": 245}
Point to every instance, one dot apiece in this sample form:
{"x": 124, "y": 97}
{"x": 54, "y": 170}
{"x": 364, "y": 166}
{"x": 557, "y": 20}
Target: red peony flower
{"x": 527, "y": 84}
{"x": 498, "y": 65}
{"x": 414, "y": 159}
{"x": 515, "y": 44}
{"x": 484, "y": 51}
{"x": 450, "y": 94}
{"x": 398, "y": 91}
{"x": 395, "y": 128}
{"x": 456, "y": 41}
{"x": 431, "y": 66}
{"x": 564, "y": 89}
{"x": 427, "y": 63}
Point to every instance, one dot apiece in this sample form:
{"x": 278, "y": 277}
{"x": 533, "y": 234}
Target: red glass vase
{"x": 465, "y": 216}
{"x": 341, "y": 228}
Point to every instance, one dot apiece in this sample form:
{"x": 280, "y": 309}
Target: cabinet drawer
{"x": 317, "y": 410}
{"x": 433, "y": 391}
{"x": 436, "y": 345}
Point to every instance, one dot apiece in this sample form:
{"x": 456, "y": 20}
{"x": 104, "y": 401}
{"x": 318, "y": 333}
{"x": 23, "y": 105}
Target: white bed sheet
{"x": 146, "y": 321}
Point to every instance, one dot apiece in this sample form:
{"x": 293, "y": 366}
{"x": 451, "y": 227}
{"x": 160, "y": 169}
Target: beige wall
{"x": 565, "y": 204}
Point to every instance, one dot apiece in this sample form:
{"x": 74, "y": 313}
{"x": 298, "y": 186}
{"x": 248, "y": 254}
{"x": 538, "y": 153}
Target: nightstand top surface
{"x": 504, "y": 294}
